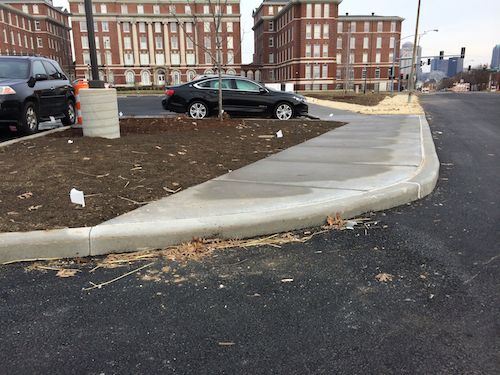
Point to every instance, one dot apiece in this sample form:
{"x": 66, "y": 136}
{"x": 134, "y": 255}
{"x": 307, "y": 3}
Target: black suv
{"x": 34, "y": 89}
{"x": 199, "y": 98}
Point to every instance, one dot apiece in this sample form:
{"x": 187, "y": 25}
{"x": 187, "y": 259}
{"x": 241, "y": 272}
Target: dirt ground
{"x": 153, "y": 159}
{"x": 368, "y": 99}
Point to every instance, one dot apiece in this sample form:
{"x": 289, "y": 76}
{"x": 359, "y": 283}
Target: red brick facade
{"x": 306, "y": 43}
{"x": 35, "y": 28}
{"x": 149, "y": 42}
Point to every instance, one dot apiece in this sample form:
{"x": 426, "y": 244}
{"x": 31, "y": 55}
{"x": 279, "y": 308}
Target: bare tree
{"x": 216, "y": 15}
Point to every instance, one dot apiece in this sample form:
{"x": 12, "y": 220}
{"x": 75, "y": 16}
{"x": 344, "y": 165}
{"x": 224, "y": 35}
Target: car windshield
{"x": 14, "y": 68}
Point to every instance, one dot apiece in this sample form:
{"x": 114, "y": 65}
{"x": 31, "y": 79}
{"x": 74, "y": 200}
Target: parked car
{"x": 32, "y": 90}
{"x": 200, "y": 98}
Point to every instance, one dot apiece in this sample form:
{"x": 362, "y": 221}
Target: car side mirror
{"x": 41, "y": 77}
{"x": 262, "y": 90}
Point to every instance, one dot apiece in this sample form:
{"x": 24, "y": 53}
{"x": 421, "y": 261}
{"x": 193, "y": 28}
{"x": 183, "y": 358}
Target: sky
{"x": 461, "y": 23}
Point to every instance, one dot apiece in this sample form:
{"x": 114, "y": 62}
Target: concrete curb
{"x": 113, "y": 238}
{"x": 43, "y": 133}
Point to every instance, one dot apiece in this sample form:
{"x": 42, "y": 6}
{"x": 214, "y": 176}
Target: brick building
{"x": 151, "y": 42}
{"x": 35, "y": 27}
{"x": 307, "y": 43}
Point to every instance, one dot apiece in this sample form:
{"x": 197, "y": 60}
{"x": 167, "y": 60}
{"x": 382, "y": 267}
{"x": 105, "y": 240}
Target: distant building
{"x": 495, "y": 58}
{"x": 307, "y": 44}
{"x": 35, "y": 27}
{"x": 406, "y": 57}
{"x": 455, "y": 66}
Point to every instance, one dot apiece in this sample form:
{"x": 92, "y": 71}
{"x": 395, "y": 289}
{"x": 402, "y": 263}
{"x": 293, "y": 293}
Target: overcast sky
{"x": 461, "y": 23}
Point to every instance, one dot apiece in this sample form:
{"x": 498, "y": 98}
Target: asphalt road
{"x": 232, "y": 314}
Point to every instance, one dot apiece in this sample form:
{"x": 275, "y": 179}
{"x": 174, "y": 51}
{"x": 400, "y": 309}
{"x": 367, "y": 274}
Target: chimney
{"x": 347, "y": 14}
{"x": 373, "y": 13}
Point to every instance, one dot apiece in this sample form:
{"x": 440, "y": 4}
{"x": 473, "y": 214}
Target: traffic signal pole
{"x": 95, "y": 82}
{"x": 414, "y": 58}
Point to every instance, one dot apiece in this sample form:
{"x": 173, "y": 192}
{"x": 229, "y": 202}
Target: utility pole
{"x": 95, "y": 82}
{"x": 414, "y": 57}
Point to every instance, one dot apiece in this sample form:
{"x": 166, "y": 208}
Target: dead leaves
{"x": 384, "y": 277}
{"x": 64, "y": 272}
{"x": 60, "y": 272}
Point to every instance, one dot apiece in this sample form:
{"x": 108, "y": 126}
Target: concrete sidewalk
{"x": 373, "y": 163}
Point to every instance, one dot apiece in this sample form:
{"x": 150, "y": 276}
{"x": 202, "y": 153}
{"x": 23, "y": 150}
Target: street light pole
{"x": 414, "y": 57}
{"x": 95, "y": 82}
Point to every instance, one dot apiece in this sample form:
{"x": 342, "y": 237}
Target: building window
{"x": 106, "y": 41}
{"x": 271, "y": 10}
{"x": 271, "y": 26}
{"x": 365, "y": 42}
{"x": 229, "y": 27}
{"x": 271, "y": 58}
{"x": 86, "y": 58}
{"x": 172, "y": 9}
{"x": 105, "y": 26}
{"x": 35, "y": 9}
{"x": 316, "y": 72}
{"x": 189, "y": 27}
{"x": 190, "y": 59}
{"x": 175, "y": 58}
{"x": 363, "y": 73}
{"x": 393, "y": 26}
{"x": 308, "y": 71}
{"x": 160, "y": 59}
{"x": 174, "y": 42}
{"x": 144, "y": 58}
{"x": 85, "y": 42}
{"x": 109, "y": 58}
{"x": 309, "y": 10}
{"x": 130, "y": 78}
{"x": 326, "y": 11}
{"x": 230, "y": 43}
{"x": 391, "y": 56}
{"x": 317, "y": 50}
{"x": 129, "y": 59}
{"x": 378, "y": 57}
{"x": 189, "y": 43}
{"x": 230, "y": 57}
{"x": 187, "y": 9}
{"x": 365, "y": 57}
{"x": 339, "y": 42}
{"x": 352, "y": 59}
{"x": 157, "y": 27}
{"x": 325, "y": 71}
{"x": 156, "y": 9}
{"x": 208, "y": 58}
{"x": 126, "y": 27}
{"x": 380, "y": 27}
{"x": 127, "y": 43}
{"x": 325, "y": 50}
{"x": 206, "y": 9}
{"x": 392, "y": 42}
{"x": 140, "y": 9}
{"x": 81, "y": 8}
{"x": 97, "y": 45}
{"x": 229, "y": 9}
{"x": 377, "y": 73}
{"x": 326, "y": 31}
{"x": 104, "y": 8}
{"x": 142, "y": 27}
{"x": 308, "y": 50}
{"x": 317, "y": 31}
{"x": 173, "y": 27}
{"x": 308, "y": 31}
{"x": 353, "y": 42}
{"x": 207, "y": 42}
{"x": 271, "y": 42}
{"x": 317, "y": 10}
{"x": 143, "y": 42}
{"x": 340, "y": 27}
{"x": 159, "y": 42}
{"x": 379, "y": 42}
{"x": 38, "y": 27}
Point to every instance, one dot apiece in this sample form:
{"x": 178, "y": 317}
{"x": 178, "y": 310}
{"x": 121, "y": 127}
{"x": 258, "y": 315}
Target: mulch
{"x": 368, "y": 99}
{"x": 153, "y": 159}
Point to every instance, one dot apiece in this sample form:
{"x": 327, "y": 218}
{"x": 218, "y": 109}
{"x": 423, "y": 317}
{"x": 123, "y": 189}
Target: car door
{"x": 247, "y": 97}
{"x": 42, "y": 89}
{"x": 210, "y": 92}
{"x": 58, "y": 88}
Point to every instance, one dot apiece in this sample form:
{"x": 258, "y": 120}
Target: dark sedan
{"x": 34, "y": 89}
{"x": 240, "y": 95}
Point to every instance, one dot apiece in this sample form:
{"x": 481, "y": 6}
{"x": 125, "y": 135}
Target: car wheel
{"x": 198, "y": 110}
{"x": 70, "y": 114}
{"x": 283, "y": 111}
{"x": 29, "y": 119}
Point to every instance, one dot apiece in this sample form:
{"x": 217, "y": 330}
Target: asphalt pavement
{"x": 312, "y": 308}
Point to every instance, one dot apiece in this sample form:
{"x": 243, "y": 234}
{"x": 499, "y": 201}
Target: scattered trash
{"x": 52, "y": 119}
{"x": 350, "y": 224}
{"x": 331, "y": 115}
{"x": 121, "y": 114}
{"x": 65, "y": 272}
{"x": 27, "y": 195}
{"x": 287, "y": 280}
{"x": 384, "y": 277}
{"x": 70, "y": 141}
{"x": 226, "y": 343}
{"x": 221, "y": 286}
{"x": 266, "y": 136}
{"x": 77, "y": 197}
{"x": 34, "y": 208}
{"x": 279, "y": 134}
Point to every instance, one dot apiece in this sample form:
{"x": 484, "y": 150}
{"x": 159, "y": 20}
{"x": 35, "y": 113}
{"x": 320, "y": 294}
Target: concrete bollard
{"x": 100, "y": 113}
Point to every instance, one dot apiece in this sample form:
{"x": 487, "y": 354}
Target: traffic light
{"x": 428, "y": 61}
{"x": 441, "y": 55}
{"x": 462, "y": 53}
{"x": 421, "y": 63}
{"x": 407, "y": 77}
{"x": 470, "y": 67}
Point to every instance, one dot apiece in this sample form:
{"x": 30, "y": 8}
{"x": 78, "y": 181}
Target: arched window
{"x": 145, "y": 78}
{"x": 257, "y": 75}
{"x": 176, "y": 78}
{"x": 191, "y": 75}
{"x": 130, "y": 78}
{"x": 250, "y": 74}
{"x": 231, "y": 72}
{"x": 209, "y": 71}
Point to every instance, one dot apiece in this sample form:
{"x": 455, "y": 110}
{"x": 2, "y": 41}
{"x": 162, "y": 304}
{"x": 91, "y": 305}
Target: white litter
{"x": 77, "y": 197}
{"x": 331, "y": 114}
{"x": 52, "y": 119}
{"x": 279, "y": 134}
{"x": 287, "y": 280}
{"x": 70, "y": 141}
{"x": 350, "y": 224}
{"x": 121, "y": 114}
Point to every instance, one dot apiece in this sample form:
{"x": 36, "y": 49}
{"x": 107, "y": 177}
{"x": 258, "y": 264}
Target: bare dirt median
{"x": 153, "y": 159}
